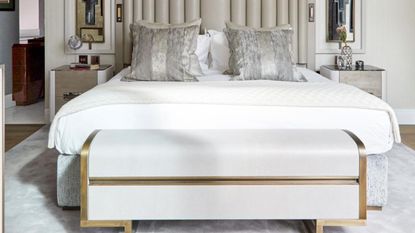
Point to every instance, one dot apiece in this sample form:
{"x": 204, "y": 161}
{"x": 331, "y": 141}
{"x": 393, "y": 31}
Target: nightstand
{"x": 370, "y": 79}
{"x": 67, "y": 83}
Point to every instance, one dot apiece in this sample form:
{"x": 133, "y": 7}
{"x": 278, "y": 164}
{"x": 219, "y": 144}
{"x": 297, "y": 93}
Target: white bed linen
{"x": 371, "y": 126}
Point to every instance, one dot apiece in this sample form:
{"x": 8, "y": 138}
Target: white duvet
{"x": 225, "y": 104}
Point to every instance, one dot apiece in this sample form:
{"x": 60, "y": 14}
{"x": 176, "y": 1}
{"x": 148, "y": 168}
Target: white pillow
{"x": 219, "y": 51}
{"x": 202, "y": 50}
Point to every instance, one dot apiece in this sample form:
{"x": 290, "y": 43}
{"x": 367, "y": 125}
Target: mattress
{"x": 371, "y": 126}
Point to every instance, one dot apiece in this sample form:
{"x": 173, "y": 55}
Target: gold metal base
{"x": 374, "y": 208}
{"x": 127, "y": 225}
{"x": 320, "y": 224}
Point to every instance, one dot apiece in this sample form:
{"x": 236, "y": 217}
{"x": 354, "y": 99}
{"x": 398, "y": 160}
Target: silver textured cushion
{"x": 163, "y": 52}
{"x": 261, "y": 53}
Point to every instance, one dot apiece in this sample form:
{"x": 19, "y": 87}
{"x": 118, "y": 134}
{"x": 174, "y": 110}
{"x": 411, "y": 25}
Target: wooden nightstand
{"x": 66, "y": 84}
{"x": 371, "y": 79}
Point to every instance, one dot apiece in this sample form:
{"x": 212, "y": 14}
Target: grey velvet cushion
{"x": 163, "y": 52}
{"x": 261, "y": 53}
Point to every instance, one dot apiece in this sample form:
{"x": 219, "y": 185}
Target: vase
{"x": 347, "y": 54}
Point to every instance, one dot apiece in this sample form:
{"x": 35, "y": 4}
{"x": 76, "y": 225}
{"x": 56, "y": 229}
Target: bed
{"x": 376, "y": 128}
{"x": 219, "y": 103}
{"x": 68, "y": 134}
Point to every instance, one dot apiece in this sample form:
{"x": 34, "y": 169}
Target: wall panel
{"x": 162, "y": 11}
{"x": 177, "y": 12}
{"x": 283, "y": 12}
{"x": 269, "y": 12}
{"x": 148, "y": 10}
{"x": 238, "y": 11}
{"x": 253, "y": 13}
{"x": 192, "y": 9}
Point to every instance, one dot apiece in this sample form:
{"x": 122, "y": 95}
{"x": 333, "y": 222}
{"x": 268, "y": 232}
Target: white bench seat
{"x": 223, "y": 174}
{"x": 222, "y": 153}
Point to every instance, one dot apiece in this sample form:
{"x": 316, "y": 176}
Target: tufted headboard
{"x": 214, "y": 14}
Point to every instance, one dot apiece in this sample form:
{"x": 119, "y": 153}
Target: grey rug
{"x": 30, "y": 200}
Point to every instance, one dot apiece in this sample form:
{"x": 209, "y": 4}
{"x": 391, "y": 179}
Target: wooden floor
{"x": 408, "y": 136}
{"x": 17, "y": 133}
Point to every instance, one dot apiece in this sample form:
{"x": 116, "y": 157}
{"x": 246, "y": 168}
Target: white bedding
{"x": 376, "y": 128}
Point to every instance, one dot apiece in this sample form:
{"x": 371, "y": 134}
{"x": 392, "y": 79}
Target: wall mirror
{"x": 339, "y": 13}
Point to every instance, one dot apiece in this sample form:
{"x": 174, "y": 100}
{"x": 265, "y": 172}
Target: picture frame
{"x": 90, "y": 20}
{"x": 108, "y": 46}
{"x": 96, "y": 33}
{"x": 7, "y": 5}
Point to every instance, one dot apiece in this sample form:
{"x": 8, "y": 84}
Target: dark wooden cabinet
{"x": 28, "y": 72}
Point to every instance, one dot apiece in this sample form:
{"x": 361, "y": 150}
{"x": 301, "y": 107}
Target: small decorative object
{"x": 7, "y": 5}
{"x": 340, "y": 61}
{"x": 346, "y": 50}
{"x": 74, "y": 42}
{"x": 83, "y": 59}
{"x": 360, "y": 65}
{"x": 95, "y": 60}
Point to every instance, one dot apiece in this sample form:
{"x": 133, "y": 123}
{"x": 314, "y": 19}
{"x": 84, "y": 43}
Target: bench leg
{"x": 127, "y": 225}
{"x": 320, "y": 224}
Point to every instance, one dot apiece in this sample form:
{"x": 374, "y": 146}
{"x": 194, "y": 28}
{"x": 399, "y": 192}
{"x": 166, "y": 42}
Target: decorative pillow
{"x": 163, "y": 52}
{"x": 203, "y": 47}
{"x": 219, "y": 51}
{"x": 261, "y": 53}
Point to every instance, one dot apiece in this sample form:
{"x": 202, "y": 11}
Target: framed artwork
{"x": 7, "y": 5}
{"x": 93, "y": 21}
{"x": 90, "y": 20}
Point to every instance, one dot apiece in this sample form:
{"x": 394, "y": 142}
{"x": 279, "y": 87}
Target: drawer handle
{"x": 70, "y": 95}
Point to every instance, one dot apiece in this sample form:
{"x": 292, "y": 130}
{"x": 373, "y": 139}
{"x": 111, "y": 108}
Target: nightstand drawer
{"x": 370, "y": 82}
{"x": 71, "y": 82}
{"x": 68, "y": 96}
{"x": 67, "y": 83}
{"x": 59, "y": 102}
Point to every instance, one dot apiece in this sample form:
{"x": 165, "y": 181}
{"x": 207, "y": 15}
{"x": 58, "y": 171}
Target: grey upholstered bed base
{"x": 68, "y": 181}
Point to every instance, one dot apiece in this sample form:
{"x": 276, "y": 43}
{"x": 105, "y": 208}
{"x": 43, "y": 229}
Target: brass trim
{"x": 223, "y": 178}
{"x": 320, "y": 223}
{"x": 84, "y": 175}
{"x": 93, "y": 182}
{"x": 160, "y": 181}
{"x": 362, "y": 175}
{"x": 127, "y": 225}
{"x": 374, "y": 208}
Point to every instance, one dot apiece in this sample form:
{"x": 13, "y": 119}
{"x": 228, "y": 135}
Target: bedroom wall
{"x": 9, "y": 34}
{"x": 390, "y": 44}
{"x": 54, "y": 42}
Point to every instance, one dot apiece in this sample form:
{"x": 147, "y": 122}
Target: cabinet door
{"x": 369, "y": 81}
{"x": 74, "y": 81}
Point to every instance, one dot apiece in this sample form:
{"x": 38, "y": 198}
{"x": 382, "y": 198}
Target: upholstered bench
{"x": 222, "y": 174}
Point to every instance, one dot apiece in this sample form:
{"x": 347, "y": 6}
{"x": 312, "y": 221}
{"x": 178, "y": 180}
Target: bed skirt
{"x": 68, "y": 180}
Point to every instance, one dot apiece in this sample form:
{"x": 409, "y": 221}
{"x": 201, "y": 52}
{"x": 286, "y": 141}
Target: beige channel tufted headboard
{"x": 214, "y": 14}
